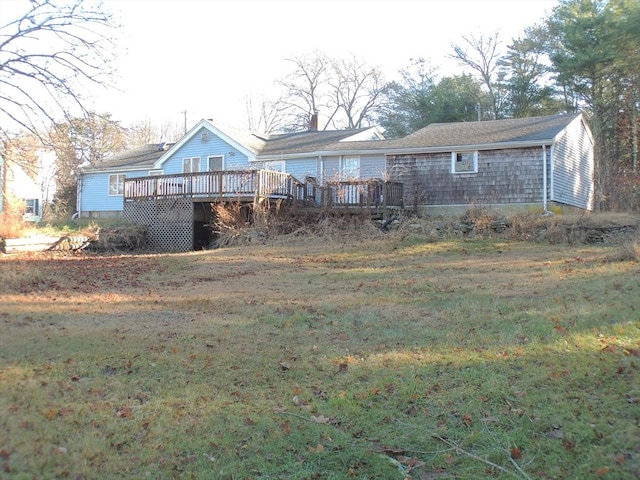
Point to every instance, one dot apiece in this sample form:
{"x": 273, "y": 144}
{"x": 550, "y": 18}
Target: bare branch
{"x": 482, "y": 59}
{"x": 48, "y": 59}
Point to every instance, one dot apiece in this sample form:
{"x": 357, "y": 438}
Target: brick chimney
{"x": 313, "y": 123}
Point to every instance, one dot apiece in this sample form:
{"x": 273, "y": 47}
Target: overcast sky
{"x": 205, "y": 56}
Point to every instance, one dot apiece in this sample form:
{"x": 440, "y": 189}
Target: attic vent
{"x": 204, "y": 137}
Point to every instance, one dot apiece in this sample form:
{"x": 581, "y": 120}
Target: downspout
{"x": 78, "y": 213}
{"x": 544, "y": 181}
{"x": 551, "y": 171}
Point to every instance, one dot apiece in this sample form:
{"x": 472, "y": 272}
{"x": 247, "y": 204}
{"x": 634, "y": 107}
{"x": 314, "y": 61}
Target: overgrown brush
{"x": 119, "y": 237}
{"x": 628, "y": 250}
{"x": 12, "y": 225}
{"x": 238, "y": 224}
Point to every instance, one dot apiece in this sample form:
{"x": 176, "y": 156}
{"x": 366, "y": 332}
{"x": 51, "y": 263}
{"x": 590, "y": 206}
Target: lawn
{"x": 386, "y": 358}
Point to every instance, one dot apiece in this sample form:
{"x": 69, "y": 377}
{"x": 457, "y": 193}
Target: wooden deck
{"x": 257, "y": 185}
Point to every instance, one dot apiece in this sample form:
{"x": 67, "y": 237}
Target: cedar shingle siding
{"x": 504, "y": 176}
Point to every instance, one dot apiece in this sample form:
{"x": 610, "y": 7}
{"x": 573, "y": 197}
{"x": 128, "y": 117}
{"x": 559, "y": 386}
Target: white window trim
{"x": 153, "y": 173}
{"x": 191, "y": 160}
{"x": 32, "y": 204}
{"x": 221, "y": 157}
{"x": 454, "y": 158}
{"x": 118, "y": 182}
{"x": 347, "y": 175}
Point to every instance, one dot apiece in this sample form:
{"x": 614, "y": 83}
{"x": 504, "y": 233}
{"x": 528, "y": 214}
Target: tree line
{"x": 584, "y": 57}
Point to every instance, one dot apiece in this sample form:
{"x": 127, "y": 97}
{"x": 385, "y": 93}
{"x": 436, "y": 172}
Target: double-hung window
{"x": 190, "y": 164}
{"x": 464, "y": 162}
{"x": 116, "y": 184}
{"x": 350, "y": 168}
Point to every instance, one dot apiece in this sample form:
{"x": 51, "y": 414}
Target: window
{"x": 215, "y": 163}
{"x": 31, "y": 207}
{"x": 116, "y": 184}
{"x": 277, "y": 166}
{"x": 464, "y": 162}
{"x": 190, "y": 164}
{"x": 350, "y": 168}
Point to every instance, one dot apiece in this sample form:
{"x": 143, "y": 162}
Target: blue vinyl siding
{"x": 301, "y": 168}
{"x": 331, "y": 170}
{"x": 371, "y": 166}
{"x": 94, "y": 191}
{"x": 195, "y": 147}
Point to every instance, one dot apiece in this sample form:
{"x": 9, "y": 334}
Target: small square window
{"x": 464, "y": 162}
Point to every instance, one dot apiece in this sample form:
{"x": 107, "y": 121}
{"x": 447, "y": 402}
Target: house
{"x": 527, "y": 163}
{"x": 207, "y": 147}
{"x": 19, "y": 192}
{"x": 524, "y": 162}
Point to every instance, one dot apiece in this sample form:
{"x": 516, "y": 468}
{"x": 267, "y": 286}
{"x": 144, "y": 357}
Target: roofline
{"x": 116, "y": 168}
{"x": 579, "y": 118}
{"x": 408, "y": 150}
{"x": 189, "y": 135}
{"x": 479, "y": 146}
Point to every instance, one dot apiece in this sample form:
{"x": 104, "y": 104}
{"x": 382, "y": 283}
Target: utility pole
{"x": 479, "y": 110}
{"x": 184, "y": 112}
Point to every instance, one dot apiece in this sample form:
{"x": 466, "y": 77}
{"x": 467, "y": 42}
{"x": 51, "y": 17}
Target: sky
{"x": 205, "y": 57}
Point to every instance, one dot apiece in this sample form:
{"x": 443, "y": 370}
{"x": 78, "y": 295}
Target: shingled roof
{"x": 302, "y": 142}
{"x": 449, "y": 136}
{"x": 509, "y": 131}
{"x": 435, "y": 137}
{"x": 141, "y": 157}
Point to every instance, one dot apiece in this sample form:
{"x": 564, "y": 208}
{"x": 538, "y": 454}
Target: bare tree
{"x": 141, "y": 133}
{"x": 80, "y": 141}
{"x": 23, "y": 150}
{"x": 481, "y": 54}
{"x": 347, "y": 92}
{"x": 359, "y": 90}
{"x": 306, "y": 90}
{"x": 264, "y": 115}
{"x": 48, "y": 56}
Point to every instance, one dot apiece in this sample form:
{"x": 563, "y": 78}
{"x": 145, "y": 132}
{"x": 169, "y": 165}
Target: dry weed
{"x": 118, "y": 237}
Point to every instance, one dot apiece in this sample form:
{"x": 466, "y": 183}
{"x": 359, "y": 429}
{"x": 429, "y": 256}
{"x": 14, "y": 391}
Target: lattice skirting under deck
{"x": 170, "y": 222}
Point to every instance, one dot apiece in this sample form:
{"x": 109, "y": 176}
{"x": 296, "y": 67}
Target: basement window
{"x": 464, "y": 162}
{"x": 116, "y": 184}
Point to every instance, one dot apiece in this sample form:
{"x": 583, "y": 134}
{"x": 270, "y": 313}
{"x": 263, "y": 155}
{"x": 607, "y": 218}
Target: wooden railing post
{"x": 385, "y": 199}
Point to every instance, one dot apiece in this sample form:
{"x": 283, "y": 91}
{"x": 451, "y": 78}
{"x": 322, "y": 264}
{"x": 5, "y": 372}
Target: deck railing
{"x": 264, "y": 184}
{"x": 369, "y": 193}
{"x": 224, "y": 183}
